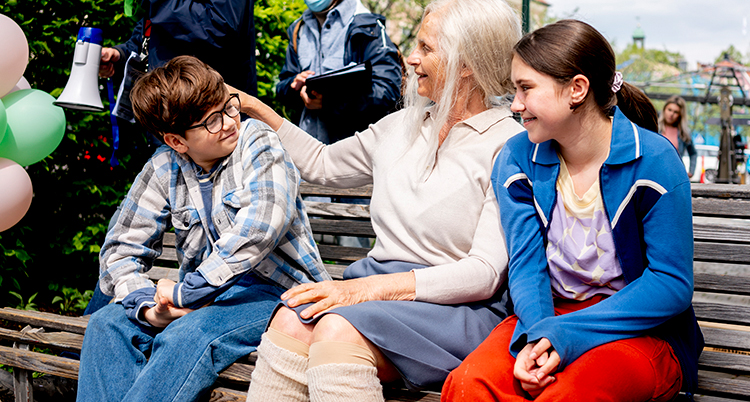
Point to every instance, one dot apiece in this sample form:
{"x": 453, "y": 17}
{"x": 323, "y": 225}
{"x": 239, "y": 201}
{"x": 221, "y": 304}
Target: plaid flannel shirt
{"x": 257, "y": 212}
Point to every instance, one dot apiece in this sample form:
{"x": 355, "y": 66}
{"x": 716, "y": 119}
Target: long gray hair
{"x": 479, "y": 35}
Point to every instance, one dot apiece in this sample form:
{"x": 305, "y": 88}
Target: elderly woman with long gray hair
{"x": 432, "y": 288}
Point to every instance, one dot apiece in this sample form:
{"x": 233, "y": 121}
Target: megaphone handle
{"x": 115, "y": 127}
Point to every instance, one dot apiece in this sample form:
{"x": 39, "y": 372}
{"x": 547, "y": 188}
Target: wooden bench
{"x": 722, "y": 298}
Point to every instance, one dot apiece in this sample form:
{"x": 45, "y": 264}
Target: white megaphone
{"x": 82, "y": 90}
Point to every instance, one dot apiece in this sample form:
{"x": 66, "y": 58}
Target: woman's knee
{"x": 285, "y": 320}
{"x": 333, "y": 327}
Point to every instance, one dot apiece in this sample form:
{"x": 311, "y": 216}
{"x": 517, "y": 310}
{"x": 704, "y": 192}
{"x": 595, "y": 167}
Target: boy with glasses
{"x": 242, "y": 237}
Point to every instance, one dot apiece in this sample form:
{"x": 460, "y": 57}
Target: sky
{"x": 698, "y": 29}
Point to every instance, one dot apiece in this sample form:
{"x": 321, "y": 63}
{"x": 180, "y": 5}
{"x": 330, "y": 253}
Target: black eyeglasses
{"x": 215, "y": 121}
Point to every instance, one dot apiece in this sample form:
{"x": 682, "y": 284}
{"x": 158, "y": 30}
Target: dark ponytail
{"x": 637, "y": 107}
{"x": 569, "y": 47}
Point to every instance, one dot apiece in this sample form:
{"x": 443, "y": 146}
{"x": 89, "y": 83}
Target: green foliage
{"x": 734, "y": 54}
{"x": 72, "y": 300}
{"x": 22, "y": 304}
{"x": 654, "y": 55}
{"x": 75, "y": 189}
{"x": 272, "y": 17}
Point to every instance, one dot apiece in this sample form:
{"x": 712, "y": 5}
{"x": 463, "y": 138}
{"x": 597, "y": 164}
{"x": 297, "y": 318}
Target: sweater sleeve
{"x": 346, "y": 163}
{"x": 528, "y": 276}
{"x": 475, "y": 277}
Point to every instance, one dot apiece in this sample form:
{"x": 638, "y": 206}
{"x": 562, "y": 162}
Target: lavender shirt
{"x": 580, "y": 250}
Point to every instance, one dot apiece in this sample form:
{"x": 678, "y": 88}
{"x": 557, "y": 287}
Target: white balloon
{"x": 22, "y": 84}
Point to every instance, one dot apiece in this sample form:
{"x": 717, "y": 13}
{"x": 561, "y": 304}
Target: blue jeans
{"x": 125, "y": 361}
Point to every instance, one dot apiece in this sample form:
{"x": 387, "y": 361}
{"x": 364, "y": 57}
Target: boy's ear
{"x": 176, "y": 142}
{"x": 579, "y": 88}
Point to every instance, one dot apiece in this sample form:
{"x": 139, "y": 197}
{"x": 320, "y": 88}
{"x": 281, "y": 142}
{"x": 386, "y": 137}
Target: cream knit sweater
{"x": 442, "y": 214}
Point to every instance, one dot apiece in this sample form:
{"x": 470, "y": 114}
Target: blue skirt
{"x": 425, "y": 341}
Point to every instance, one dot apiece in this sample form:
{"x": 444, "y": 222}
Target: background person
{"x": 221, "y": 33}
{"x": 673, "y": 124}
{"x": 430, "y": 290}
{"x": 330, "y": 35}
{"x": 597, "y": 218}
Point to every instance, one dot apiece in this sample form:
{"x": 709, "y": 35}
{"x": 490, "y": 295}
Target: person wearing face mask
{"x": 330, "y": 35}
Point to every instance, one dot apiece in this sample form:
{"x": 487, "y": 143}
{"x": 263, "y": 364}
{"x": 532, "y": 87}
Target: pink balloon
{"x": 15, "y": 197}
{"x": 15, "y": 54}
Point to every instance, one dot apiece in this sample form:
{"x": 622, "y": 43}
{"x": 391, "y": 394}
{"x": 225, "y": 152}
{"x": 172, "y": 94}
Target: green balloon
{"x": 35, "y": 126}
{"x": 3, "y": 121}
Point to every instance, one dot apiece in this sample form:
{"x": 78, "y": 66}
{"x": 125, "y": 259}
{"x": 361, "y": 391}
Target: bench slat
{"x": 722, "y": 252}
{"x": 714, "y": 283}
{"x": 156, "y": 273}
{"x": 221, "y": 394}
{"x": 701, "y": 398}
{"x": 339, "y": 210}
{"x": 720, "y": 191}
{"x": 726, "y": 338}
{"x": 343, "y": 228}
{"x": 76, "y": 325}
{"x": 340, "y": 253}
{"x": 721, "y": 230}
{"x": 43, "y": 363}
{"x": 722, "y": 208}
{"x": 724, "y": 313}
{"x": 722, "y": 383}
{"x": 324, "y": 191}
{"x": 724, "y": 361}
{"x": 66, "y": 341}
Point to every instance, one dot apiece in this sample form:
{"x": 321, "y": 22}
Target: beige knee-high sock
{"x": 343, "y": 371}
{"x": 279, "y": 373}
{"x": 343, "y": 382}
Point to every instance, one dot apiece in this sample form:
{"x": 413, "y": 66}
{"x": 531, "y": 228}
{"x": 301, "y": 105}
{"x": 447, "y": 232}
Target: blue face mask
{"x": 317, "y": 6}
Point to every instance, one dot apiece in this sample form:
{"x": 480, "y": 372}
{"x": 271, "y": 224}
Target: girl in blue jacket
{"x": 596, "y": 210}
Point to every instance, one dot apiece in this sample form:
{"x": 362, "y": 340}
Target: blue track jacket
{"x": 647, "y": 199}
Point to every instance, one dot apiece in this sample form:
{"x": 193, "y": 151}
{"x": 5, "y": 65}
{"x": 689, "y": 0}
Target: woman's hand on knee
{"x": 328, "y": 295}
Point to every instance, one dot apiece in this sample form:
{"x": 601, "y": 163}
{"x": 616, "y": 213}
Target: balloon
{"x": 21, "y": 84}
{"x": 3, "y": 120}
{"x": 15, "y": 54}
{"x": 35, "y": 126}
{"x": 15, "y": 198}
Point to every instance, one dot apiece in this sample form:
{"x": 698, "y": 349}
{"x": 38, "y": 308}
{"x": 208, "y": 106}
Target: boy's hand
{"x": 163, "y": 313}
{"x": 165, "y": 290}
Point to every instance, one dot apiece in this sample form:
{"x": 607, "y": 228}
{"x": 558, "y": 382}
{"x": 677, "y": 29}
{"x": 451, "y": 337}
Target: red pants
{"x": 636, "y": 369}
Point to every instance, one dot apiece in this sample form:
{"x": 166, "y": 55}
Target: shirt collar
{"x": 480, "y": 122}
{"x": 625, "y": 145}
